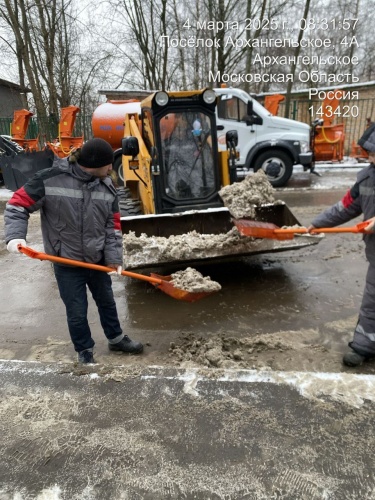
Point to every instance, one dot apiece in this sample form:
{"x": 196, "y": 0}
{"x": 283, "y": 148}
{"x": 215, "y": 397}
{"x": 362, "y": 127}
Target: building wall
{"x": 10, "y": 99}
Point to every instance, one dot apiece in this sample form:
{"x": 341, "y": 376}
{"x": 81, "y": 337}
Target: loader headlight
{"x": 305, "y": 146}
{"x": 161, "y": 98}
{"x": 209, "y": 96}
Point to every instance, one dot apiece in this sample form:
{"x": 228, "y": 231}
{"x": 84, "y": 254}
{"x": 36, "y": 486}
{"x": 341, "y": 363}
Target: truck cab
{"x": 265, "y": 141}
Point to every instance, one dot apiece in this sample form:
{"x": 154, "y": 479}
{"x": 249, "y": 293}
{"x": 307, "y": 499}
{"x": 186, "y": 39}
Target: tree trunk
{"x": 293, "y": 68}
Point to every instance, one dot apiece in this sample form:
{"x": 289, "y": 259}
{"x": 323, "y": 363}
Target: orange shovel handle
{"x": 297, "y": 230}
{"x": 358, "y": 228}
{"x": 30, "y": 252}
{"x": 336, "y": 230}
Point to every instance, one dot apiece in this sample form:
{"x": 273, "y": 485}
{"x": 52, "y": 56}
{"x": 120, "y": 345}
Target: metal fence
{"x": 5, "y": 126}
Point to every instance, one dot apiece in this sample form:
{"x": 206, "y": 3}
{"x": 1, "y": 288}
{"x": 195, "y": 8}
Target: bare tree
{"x": 141, "y": 28}
{"x": 35, "y": 27}
{"x": 294, "y": 64}
{"x": 51, "y": 61}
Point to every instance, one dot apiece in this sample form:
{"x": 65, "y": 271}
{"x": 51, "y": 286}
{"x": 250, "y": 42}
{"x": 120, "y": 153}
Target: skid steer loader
{"x": 171, "y": 210}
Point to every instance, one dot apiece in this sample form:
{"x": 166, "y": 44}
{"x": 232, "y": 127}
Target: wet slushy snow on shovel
{"x": 192, "y": 280}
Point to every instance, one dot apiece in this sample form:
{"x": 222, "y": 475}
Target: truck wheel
{"x": 117, "y": 167}
{"x": 277, "y": 165}
{"x": 130, "y": 207}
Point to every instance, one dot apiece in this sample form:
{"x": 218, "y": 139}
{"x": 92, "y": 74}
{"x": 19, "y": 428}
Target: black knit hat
{"x": 95, "y": 153}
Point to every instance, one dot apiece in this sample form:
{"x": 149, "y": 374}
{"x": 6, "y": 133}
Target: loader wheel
{"x": 277, "y": 165}
{"x": 123, "y": 193}
{"x": 130, "y": 207}
{"x": 117, "y": 167}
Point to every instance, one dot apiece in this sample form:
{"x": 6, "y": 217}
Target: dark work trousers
{"x": 364, "y": 334}
{"x": 72, "y": 283}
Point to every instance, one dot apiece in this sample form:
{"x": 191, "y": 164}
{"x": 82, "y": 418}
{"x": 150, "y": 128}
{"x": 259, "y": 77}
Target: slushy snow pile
{"x": 242, "y": 198}
{"x": 192, "y": 280}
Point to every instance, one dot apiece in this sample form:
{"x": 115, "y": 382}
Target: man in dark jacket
{"x": 360, "y": 199}
{"x": 80, "y": 220}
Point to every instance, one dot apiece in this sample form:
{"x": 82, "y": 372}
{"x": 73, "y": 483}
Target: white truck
{"x": 264, "y": 141}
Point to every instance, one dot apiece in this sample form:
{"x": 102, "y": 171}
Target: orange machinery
{"x": 18, "y": 129}
{"x": 329, "y": 139}
{"x": 271, "y": 103}
{"x": 108, "y": 119}
{"x": 65, "y": 142}
{"x": 62, "y": 146}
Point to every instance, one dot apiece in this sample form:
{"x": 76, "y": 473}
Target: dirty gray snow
{"x": 146, "y": 250}
{"x": 193, "y": 281}
{"x": 241, "y": 198}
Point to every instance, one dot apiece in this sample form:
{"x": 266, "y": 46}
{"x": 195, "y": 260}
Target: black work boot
{"x": 352, "y": 358}
{"x": 127, "y": 345}
{"x": 85, "y": 357}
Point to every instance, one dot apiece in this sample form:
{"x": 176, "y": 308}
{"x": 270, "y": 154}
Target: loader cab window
{"x": 188, "y": 163}
{"x": 232, "y": 109}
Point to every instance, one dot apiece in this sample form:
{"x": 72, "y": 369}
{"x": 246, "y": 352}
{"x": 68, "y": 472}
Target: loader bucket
{"x": 18, "y": 169}
{"x": 210, "y": 221}
{"x": 278, "y": 214}
{"x": 195, "y": 236}
{"x": 214, "y": 221}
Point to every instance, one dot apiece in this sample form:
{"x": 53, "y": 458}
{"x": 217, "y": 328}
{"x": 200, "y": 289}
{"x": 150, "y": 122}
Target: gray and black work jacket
{"x": 80, "y": 217}
{"x": 359, "y": 199}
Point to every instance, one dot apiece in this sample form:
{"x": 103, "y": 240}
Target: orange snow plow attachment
{"x": 257, "y": 229}
{"x": 163, "y": 283}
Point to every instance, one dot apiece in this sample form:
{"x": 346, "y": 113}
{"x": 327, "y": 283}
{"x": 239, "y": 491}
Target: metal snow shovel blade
{"x": 163, "y": 283}
{"x": 257, "y": 229}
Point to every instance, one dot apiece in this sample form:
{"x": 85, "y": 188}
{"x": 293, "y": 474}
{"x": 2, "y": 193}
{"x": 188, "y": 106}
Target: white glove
{"x": 117, "y": 271}
{"x": 13, "y": 244}
{"x": 370, "y": 227}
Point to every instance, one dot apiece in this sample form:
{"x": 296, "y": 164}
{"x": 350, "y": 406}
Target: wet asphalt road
{"x": 166, "y": 434}
{"x": 302, "y": 289}
{"x": 307, "y": 288}
{"x": 300, "y": 428}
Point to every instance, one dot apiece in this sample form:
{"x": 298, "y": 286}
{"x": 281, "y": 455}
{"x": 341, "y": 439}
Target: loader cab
{"x": 179, "y": 131}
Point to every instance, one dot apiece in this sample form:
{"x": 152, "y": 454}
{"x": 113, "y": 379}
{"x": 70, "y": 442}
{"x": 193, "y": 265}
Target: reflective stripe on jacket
{"x": 80, "y": 217}
{"x": 359, "y": 199}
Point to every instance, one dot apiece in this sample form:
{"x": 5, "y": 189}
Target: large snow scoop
{"x": 18, "y": 169}
{"x": 163, "y": 283}
{"x": 257, "y": 229}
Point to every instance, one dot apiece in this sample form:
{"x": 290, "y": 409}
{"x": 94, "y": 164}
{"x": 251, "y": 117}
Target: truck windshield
{"x": 187, "y": 159}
